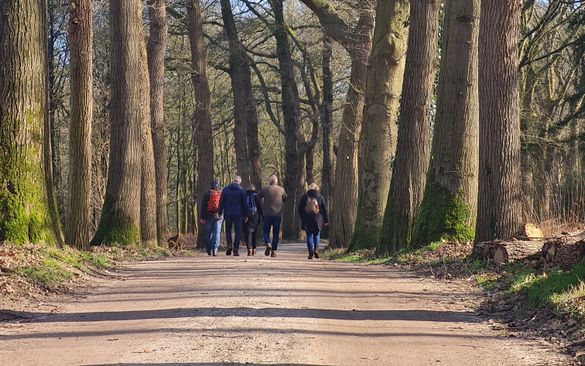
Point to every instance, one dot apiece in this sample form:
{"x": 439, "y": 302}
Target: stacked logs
{"x": 562, "y": 252}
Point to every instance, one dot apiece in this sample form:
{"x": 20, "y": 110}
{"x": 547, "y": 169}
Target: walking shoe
{"x": 272, "y": 253}
{"x": 215, "y": 252}
{"x": 253, "y": 251}
{"x": 228, "y": 251}
{"x": 310, "y": 255}
{"x": 249, "y": 252}
{"x": 317, "y": 254}
{"x": 236, "y": 254}
{"x": 268, "y": 250}
{"x": 209, "y": 252}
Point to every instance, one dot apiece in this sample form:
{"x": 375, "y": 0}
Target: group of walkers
{"x": 245, "y": 210}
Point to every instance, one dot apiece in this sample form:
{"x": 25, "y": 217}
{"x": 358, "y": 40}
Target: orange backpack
{"x": 213, "y": 202}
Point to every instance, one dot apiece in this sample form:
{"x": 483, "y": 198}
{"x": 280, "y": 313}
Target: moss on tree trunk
{"x": 24, "y": 212}
{"x": 443, "y": 216}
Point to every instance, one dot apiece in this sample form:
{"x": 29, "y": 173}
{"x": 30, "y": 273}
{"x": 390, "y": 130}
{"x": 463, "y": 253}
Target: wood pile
{"x": 561, "y": 252}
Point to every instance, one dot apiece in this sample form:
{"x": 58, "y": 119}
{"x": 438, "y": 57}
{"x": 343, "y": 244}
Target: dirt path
{"x": 259, "y": 311}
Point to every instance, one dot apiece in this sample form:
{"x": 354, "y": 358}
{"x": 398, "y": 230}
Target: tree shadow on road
{"x": 330, "y": 314}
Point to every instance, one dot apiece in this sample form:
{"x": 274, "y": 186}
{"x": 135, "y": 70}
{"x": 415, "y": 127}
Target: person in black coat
{"x": 254, "y": 217}
{"x": 314, "y": 216}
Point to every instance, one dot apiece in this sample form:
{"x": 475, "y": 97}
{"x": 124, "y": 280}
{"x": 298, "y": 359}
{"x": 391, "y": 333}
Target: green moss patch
{"x": 442, "y": 217}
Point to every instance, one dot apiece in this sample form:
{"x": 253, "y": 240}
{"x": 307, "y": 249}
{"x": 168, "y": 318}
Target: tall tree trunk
{"x": 202, "y": 127}
{"x": 344, "y": 196}
{"x": 293, "y": 182}
{"x": 80, "y": 43}
{"x": 148, "y": 204}
{"x": 54, "y": 92}
{"x": 310, "y": 165}
{"x": 48, "y": 157}
{"x": 358, "y": 43}
{"x": 246, "y": 116}
{"x": 157, "y": 43}
{"x": 499, "y": 211}
{"x": 24, "y": 213}
{"x": 414, "y": 137}
{"x": 327, "y": 119}
{"x": 120, "y": 218}
{"x": 449, "y": 205}
{"x": 379, "y": 128}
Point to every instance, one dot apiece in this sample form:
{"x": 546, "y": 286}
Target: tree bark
{"x": 24, "y": 212}
{"x": 449, "y": 206}
{"x": 80, "y": 43}
{"x": 293, "y": 182}
{"x": 246, "y": 116}
{"x": 379, "y": 128}
{"x": 499, "y": 214}
{"x": 202, "y": 128}
{"x": 327, "y": 120}
{"x": 157, "y": 43}
{"x": 120, "y": 218}
{"x": 414, "y": 136}
{"x": 358, "y": 43}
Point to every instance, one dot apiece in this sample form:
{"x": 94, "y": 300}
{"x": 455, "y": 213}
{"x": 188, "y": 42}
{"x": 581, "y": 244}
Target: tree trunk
{"x": 344, "y": 196}
{"x": 246, "y": 116}
{"x": 414, "y": 137}
{"x": 157, "y": 43}
{"x": 327, "y": 120}
{"x": 24, "y": 213}
{"x": 379, "y": 128}
{"x": 120, "y": 218}
{"x": 310, "y": 165}
{"x": 499, "y": 214}
{"x": 293, "y": 182}
{"x": 449, "y": 205}
{"x": 202, "y": 128}
{"x": 80, "y": 43}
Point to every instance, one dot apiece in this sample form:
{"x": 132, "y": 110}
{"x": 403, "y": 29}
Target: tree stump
{"x": 500, "y": 252}
{"x": 564, "y": 252}
{"x": 492, "y": 251}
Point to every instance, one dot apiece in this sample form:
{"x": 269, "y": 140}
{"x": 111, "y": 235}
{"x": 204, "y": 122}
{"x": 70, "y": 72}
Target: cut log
{"x": 532, "y": 232}
{"x": 564, "y": 252}
{"x": 500, "y": 252}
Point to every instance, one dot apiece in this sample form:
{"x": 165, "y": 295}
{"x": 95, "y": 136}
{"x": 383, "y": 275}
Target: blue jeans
{"x": 212, "y": 234}
{"x": 237, "y": 222}
{"x": 313, "y": 241}
{"x": 274, "y": 223}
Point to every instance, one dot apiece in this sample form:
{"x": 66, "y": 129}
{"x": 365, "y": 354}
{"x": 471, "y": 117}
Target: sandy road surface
{"x": 261, "y": 311}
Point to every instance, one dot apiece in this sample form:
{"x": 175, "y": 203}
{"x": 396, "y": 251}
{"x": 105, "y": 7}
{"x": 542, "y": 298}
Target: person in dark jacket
{"x": 254, "y": 217}
{"x": 314, "y": 216}
{"x": 232, "y": 206}
{"x": 209, "y": 216}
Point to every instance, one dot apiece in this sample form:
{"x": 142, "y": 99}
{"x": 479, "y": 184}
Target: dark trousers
{"x": 274, "y": 223}
{"x": 236, "y": 221}
{"x": 251, "y": 239}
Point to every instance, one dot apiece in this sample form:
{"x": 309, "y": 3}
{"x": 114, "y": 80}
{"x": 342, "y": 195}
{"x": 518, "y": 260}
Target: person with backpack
{"x": 271, "y": 199}
{"x": 210, "y": 217}
{"x": 232, "y": 205}
{"x": 314, "y": 216}
{"x": 253, "y": 222}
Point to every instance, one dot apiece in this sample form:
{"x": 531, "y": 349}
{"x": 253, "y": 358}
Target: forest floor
{"x": 256, "y": 310}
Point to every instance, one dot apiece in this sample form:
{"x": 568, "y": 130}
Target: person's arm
{"x": 284, "y": 196}
{"x": 203, "y": 207}
{"x": 243, "y": 202}
{"x": 221, "y": 204}
{"x": 259, "y": 206}
{"x": 324, "y": 211}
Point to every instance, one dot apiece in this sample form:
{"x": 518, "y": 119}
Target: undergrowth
{"x": 26, "y": 267}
